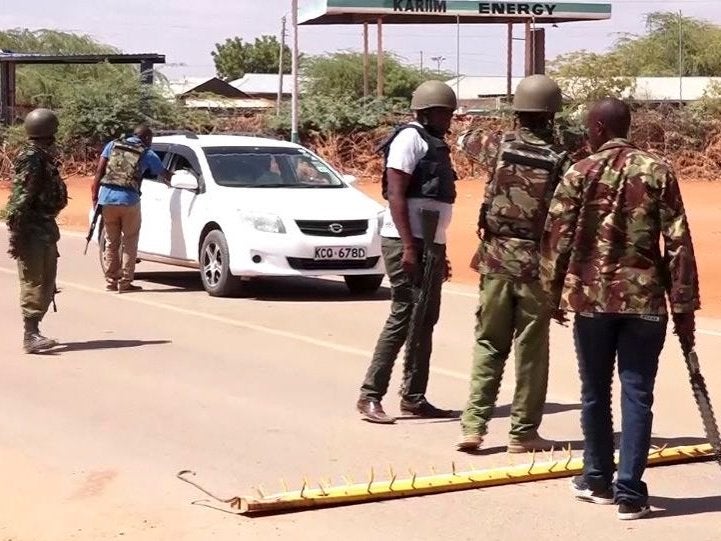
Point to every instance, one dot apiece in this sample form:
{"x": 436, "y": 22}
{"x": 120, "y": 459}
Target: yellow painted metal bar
{"x": 374, "y": 490}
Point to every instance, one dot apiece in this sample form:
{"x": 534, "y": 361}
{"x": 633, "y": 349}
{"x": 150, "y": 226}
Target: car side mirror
{"x": 350, "y": 179}
{"x": 185, "y": 180}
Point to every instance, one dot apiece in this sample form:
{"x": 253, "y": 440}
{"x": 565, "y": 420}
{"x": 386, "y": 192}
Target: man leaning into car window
{"x": 418, "y": 175}
{"x": 116, "y": 189}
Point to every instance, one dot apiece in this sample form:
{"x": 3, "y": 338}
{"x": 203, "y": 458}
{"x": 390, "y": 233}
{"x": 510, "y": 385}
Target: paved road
{"x": 249, "y": 391}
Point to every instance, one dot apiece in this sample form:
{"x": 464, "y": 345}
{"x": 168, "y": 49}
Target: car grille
{"x": 298, "y": 263}
{"x": 333, "y": 228}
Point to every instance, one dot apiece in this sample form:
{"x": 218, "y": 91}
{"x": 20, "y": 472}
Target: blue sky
{"x": 187, "y": 30}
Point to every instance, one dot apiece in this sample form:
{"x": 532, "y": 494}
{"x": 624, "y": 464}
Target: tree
{"x": 585, "y": 77}
{"x": 341, "y": 75}
{"x": 42, "y": 85}
{"x": 234, "y": 58}
{"x": 657, "y": 52}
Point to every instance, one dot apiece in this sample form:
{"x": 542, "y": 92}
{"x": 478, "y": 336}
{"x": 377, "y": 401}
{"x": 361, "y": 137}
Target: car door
{"x": 182, "y": 204}
{"x": 153, "y": 191}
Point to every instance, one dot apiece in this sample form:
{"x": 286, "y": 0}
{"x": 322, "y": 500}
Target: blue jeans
{"x": 637, "y": 341}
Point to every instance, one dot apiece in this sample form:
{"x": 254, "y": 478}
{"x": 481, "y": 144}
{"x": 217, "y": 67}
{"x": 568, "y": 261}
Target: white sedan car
{"x": 241, "y": 206}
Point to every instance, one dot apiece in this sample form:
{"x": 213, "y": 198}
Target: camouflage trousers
{"x": 37, "y": 270}
{"x": 510, "y": 313}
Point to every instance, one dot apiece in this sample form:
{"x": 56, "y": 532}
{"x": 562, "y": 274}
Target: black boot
{"x": 33, "y": 341}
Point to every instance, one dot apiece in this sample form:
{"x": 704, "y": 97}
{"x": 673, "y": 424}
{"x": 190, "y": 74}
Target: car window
{"x": 183, "y": 158}
{"x": 267, "y": 167}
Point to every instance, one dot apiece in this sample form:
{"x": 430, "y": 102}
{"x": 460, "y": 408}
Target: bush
{"x": 342, "y": 115}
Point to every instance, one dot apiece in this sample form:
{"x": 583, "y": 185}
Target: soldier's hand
{"x": 409, "y": 262}
{"x": 560, "y": 317}
{"x": 475, "y": 261}
{"x": 685, "y": 327}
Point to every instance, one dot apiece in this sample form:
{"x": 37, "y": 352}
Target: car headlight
{"x": 267, "y": 223}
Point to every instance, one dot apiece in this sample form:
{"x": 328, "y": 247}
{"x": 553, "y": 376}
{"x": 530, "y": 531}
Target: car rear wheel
{"x": 215, "y": 266}
{"x": 364, "y": 284}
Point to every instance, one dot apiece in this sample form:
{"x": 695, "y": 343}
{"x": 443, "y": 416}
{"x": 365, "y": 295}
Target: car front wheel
{"x": 215, "y": 266}
{"x": 364, "y": 284}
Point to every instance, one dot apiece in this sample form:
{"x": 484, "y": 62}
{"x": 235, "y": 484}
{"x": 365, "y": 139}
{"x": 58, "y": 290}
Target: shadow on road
{"x": 676, "y": 507}
{"x": 277, "y": 289}
{"x": 548, "y": 409}
{"x": 93, "y": 345}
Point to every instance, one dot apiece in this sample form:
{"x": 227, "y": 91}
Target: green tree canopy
{"x": 234, "y": 58}
{"x": 43, "y": 85}
{"x": 341, "y": 74}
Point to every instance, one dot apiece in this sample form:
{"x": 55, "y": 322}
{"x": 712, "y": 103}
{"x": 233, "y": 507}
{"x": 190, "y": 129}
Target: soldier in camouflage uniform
{"x": 601, "y": 259}
{"x": 526, "y": 167}
{"x": 38, "y": 196}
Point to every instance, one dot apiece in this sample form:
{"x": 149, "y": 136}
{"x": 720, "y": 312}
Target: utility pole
{"x": 438, "y": 60}
{"x": 294, "y": 102}
{"x": 421, "y": 62}
{"x": 280, "y": 67}
{"x": 680, "y": 58}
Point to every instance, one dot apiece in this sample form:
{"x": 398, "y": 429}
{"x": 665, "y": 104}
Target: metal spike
{"x": 259, "y": 490}
{"x": 284, "y": 485}
{"x": 533, "y": 461}
{"x": 433, "y": 470}
{"x": 413, "y": 478}
{"x": 373, "y": 477}
{"x": 322, "y": 490}
{"x": 570, "y": 456}
{"x": 453, "y": 468}
{"x": 393, "y": 480}
{"x": 302, "y": 489}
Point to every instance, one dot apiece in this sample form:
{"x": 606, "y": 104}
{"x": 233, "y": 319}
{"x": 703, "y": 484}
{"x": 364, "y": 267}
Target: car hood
{"x": 305, "y": 203}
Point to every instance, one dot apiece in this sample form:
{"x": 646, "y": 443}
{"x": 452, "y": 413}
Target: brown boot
{"x": 530, "y": 443}
{"x": 33, "y": 341}
{"x": 372, "y": 411}
{"x": 470, "y": 442}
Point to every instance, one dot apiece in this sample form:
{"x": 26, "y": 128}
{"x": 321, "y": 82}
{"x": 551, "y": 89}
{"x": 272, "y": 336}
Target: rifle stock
{"x": 93, "y": 223}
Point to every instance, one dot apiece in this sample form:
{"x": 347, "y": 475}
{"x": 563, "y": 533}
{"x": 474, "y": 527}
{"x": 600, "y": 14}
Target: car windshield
{"x": 259, "y": 167}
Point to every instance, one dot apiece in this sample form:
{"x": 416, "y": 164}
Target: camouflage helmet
{"x": 41, "y": 124}
{"x": 537, "y": 94}
{"x": 434, "y": 94}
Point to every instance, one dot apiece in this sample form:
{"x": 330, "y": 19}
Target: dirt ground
{"x": 702, "y": 200}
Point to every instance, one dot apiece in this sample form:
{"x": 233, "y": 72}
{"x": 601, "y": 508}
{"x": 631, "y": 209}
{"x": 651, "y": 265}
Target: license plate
{"x": 327, "y": 253}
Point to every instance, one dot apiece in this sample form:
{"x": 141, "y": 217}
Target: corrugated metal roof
{"x": 263, "y": 83}
{"x": 645, "y": 88}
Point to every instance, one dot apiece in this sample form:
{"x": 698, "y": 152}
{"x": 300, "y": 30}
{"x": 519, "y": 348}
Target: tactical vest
{"x": 434, "y": 176}
{"x": 520, "y": 192}
{"x": 123, "y": 167}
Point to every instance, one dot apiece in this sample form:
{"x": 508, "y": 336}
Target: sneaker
{"x": 632, "y": 511}
{"x": 35, "y": 343}
{"x": 530, "y": 444}
{"x": 585, "y": 493}
{"x": 111, "y": 286}
{"x": 470, "y": 442}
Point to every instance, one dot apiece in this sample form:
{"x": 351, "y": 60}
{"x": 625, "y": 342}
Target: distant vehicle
{"x": 242, "y": 206}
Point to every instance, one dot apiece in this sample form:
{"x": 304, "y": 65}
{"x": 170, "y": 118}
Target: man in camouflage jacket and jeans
{"x": 116, "y": 189}
{"x": 602, "y": 260}
{"x": 526, "y": 167}
{"x": 38, "y": 196}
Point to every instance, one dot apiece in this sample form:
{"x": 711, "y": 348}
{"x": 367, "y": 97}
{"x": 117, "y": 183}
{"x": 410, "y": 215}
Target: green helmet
{"x": 537, "y": 94}
{"x": 41, "y": 124}
{"x": 434, "y": 94}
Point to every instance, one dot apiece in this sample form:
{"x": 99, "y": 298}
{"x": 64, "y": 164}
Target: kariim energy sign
{"x": 402, "y": 11}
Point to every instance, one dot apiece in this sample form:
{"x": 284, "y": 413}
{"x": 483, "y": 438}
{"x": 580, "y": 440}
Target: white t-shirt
{"x": 404, "y": 154}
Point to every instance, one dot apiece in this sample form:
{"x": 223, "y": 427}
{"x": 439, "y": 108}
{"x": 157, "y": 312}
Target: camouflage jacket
{"x": 601, "y": 248}
{"x": 515, "y": 192}
{"x": 38, "y": 196}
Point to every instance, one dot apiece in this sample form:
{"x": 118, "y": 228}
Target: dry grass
{"x": 692, "y": 147}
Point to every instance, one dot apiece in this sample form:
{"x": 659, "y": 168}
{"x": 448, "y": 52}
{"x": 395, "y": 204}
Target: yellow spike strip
{"x": 308, "y": 497}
